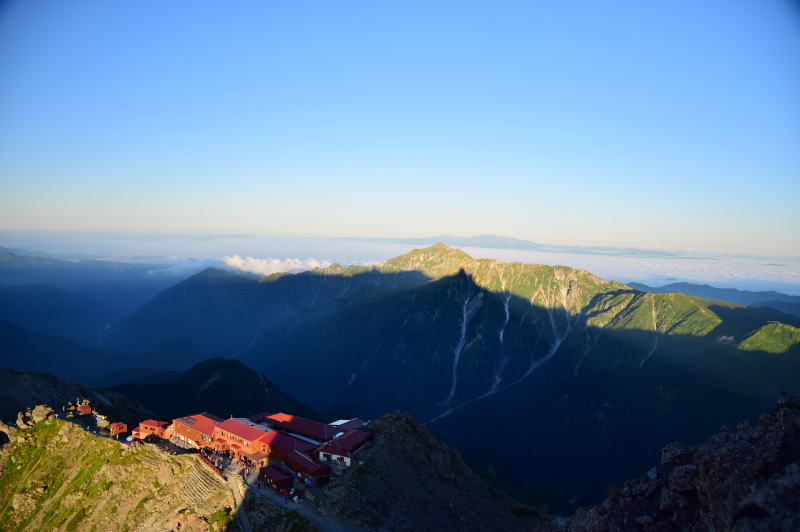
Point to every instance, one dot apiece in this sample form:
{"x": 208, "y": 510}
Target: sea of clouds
{"x": 270, "y": 266}
{"x": 182, "y": 255}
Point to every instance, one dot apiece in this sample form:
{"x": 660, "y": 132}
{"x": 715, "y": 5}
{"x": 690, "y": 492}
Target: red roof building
{"x": 196, "y": 430}
{"x": 239, "y": 437}
{"x": 152, "y": 427}
{"x": 314, "y": 430}
{"x": 84, "y": 410}
{"x": 347, "y": 424}
{"x": 278, "y": 445}
{"x": 306, "y": 467}
{"x": 339, "y": 450}
{"x": 275, "y": 478}
{"x": 118, "y": 428}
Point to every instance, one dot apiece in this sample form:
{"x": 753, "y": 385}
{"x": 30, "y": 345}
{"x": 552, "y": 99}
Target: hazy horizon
{"x": 291, "y": 253}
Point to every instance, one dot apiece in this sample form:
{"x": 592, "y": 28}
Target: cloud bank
{"x": 269, "y": 266}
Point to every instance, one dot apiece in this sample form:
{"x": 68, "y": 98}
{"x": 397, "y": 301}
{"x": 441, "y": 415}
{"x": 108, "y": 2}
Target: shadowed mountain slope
{"x": 51, "y": 311}
{"x": 23, "y": 350}
{"x": 225, "y": 387}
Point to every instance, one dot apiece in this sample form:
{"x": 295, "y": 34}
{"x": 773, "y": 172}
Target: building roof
{"x": 274, "y": 473}
{"x": 347, "y": 443}
{"x": 242, "y": 430}
{"x": 154, "y": 423}
{"x": 284, "y": 442}
{"x": 351, "y": 440}
{"x": 203, "y": 422}
{"x": 347, "y": 424}
{"x": 118, "y": 425}
{"x": 333, "y": 449}
{"x": 305, "y": 427}
{"x": 301, "y": 462}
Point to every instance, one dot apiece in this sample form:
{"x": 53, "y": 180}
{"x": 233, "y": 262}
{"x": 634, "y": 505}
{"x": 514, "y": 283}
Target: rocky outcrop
{"x": 32, "y": 416}
{"x": 408, "y": 479}
{"x": 744, "y": 478}
{"x": 20, "y": 391}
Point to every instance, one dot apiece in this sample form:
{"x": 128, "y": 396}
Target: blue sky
{"x": 653, "y": 124}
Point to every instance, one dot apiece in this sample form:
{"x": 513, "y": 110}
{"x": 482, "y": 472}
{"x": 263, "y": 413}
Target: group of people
{"x": 215, "y": 458}
{"x": 246, "y": 466}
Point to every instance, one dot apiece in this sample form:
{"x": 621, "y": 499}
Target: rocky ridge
{"x": 744, "y": 478}
{"x": 408, "y": 479}
{"x": 20, "y": 391}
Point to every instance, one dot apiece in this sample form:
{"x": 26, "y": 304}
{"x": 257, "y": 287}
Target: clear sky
{"x": 653, "y": 124}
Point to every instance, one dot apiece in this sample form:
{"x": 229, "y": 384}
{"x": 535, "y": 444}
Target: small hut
{"x": 275, "y": 478}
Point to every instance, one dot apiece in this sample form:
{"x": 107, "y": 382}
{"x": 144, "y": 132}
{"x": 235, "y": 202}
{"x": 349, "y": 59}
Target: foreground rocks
{"x": 31, "y": 417}
{"x": 744, "y": 478}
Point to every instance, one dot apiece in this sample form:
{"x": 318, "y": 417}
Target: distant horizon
{"x": 282, "y": 253}
{"x": 432, "y": 237}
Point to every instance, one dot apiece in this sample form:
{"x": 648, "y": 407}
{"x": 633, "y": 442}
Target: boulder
{"x": 675, "y": 454}
{"x": 42, "y": 412}
{"x": 682, "y": 479}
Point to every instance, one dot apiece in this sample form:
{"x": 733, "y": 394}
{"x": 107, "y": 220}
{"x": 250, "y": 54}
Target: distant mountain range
{"x": 506, "y": 242}
{"x": 23, "y": 350}
{"x": 588, "y": 376}
{"x": 784, "y": 303}
{"x": 118, "y": 287}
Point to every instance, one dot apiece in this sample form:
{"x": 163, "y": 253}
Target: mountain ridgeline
{"x": 218, "y": 385}
{"x": 584, "y": 377}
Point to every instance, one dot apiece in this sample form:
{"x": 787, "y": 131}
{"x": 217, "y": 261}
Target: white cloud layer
{"x": 269, "y": 266}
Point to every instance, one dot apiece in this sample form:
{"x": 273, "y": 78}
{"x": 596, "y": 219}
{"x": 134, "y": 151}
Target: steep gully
{"x": 561, "y": 323}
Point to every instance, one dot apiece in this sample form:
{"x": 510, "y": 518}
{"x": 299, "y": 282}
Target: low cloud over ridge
{"x": 269, "y": 266}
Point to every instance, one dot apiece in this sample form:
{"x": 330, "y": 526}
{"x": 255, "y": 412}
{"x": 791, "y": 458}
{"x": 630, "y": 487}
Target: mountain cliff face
{"x": 545, "y": 357}
{"x": 56, "y": 476}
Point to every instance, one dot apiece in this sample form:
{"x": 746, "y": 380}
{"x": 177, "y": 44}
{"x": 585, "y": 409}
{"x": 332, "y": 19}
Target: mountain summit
{"x": 216, "y": 385}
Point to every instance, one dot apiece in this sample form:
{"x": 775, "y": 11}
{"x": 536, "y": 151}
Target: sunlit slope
{"x": 773, "y": 337}
{"x": 579, "y": 293}
{"x": 56, "y": 476}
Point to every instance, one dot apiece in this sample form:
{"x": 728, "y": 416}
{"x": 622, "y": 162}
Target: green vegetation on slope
{"x": 774, "y": 337}
{"x": 56, "y": 476}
